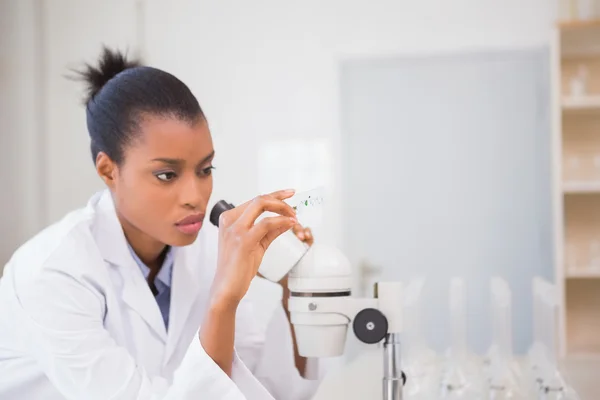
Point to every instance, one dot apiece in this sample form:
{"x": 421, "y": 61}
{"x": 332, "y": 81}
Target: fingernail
{"x": 301, "y": 235}
{"x": 293, "y": 220}
{"x": 290, "y": 191}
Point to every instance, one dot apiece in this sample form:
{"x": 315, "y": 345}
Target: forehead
{"x": 171, "y": 137}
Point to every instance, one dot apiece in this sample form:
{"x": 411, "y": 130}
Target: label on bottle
{"x": 308, "y": 202}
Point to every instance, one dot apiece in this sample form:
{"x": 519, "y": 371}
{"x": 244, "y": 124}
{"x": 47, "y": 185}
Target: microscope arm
{"x": 345, "y": 307}
{"x": 322, "y": 318}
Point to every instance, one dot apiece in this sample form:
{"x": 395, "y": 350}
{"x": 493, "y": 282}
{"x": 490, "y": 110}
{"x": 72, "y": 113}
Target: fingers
{"x": 304, "y": 234}
{"x": 283, "y": 194}
{"x": 298, "y": 231}
{"x": 262, "y": 204}
{"x": 308, "y": 237}
{"x": 229, "y": 217}
{"x": 269, "y": 229}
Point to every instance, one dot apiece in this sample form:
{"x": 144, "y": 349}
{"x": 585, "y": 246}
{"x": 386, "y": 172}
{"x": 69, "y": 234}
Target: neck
{"x": 149, "y": 250}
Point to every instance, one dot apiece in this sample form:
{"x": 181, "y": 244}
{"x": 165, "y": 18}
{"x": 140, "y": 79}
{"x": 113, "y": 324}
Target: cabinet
{"x": 576, "y": 82}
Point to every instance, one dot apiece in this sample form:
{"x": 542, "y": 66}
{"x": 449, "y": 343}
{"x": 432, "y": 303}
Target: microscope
{"x": 321, "y": 307}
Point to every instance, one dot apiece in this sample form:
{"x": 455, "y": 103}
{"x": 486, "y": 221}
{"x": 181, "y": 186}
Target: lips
{"x": 191, "y": 219}
{"x": 191, "y": 224}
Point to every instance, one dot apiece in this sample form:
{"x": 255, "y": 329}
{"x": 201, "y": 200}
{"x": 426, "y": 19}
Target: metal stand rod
{"x": 393, "y": 379}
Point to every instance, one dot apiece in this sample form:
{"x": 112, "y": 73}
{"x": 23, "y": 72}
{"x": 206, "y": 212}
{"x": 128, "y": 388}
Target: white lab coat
{"x": 78, "y": 321}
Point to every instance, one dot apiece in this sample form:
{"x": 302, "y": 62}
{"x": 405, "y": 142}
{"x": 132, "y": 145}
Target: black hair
{"x": 121, "y": 91}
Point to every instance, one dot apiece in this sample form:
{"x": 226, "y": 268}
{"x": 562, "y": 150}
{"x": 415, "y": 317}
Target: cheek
{"x": 207, "y": 190}
{"x": 141, "y": 199}
{"x": 209, "y": 186}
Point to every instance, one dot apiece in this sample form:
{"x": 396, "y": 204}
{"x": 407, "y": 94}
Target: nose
{"x": 191, "y": 193}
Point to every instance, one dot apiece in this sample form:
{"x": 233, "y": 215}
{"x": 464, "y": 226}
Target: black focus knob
{"x": 370, "y": 325}
{"x": 219, "y": 209}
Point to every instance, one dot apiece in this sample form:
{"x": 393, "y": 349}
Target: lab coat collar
{"x": 113, "y": 247}
{"x": 191, "y": 275}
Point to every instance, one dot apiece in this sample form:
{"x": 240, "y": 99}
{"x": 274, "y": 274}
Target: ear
{"x": 106, "y": 169}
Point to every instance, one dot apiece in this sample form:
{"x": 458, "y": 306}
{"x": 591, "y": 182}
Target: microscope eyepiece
{"x": 219, "y": 209}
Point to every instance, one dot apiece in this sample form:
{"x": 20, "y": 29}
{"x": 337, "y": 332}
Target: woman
{"x": 134, "y": 297}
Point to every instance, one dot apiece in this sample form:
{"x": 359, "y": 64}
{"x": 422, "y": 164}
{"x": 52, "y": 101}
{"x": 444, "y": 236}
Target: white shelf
{"x": 581, "y": 104}
{"x": 583, "y": 273}
{"x": 581, "y": 187}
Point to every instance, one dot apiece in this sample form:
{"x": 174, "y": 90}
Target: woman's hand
{"x": 243, "y": 242}
{"x": 242, "y": 245}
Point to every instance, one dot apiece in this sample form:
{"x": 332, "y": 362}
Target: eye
{"x": 166, "y": 176}
{"x": 207, "y": 171}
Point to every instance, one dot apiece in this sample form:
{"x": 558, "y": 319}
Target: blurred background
{"x": 435, "y": 127}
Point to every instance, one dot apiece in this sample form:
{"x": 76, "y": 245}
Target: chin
{"x": 180, "y": 239}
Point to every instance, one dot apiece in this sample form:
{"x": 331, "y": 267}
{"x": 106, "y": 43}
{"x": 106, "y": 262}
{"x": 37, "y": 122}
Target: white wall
{"x": 262, "y": 70}
{"x": 19, "y": 140}
{"x": 267, "y": 69}
{"x": 8, "y": 195}
{"x": 74, "y": 32}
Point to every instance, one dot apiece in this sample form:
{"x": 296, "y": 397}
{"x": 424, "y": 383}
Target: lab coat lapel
{"x": 113, "y": 246}
{"x": 189, "y": 283}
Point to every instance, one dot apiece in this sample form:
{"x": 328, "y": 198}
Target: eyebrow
{"x": 178, "y": 161}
